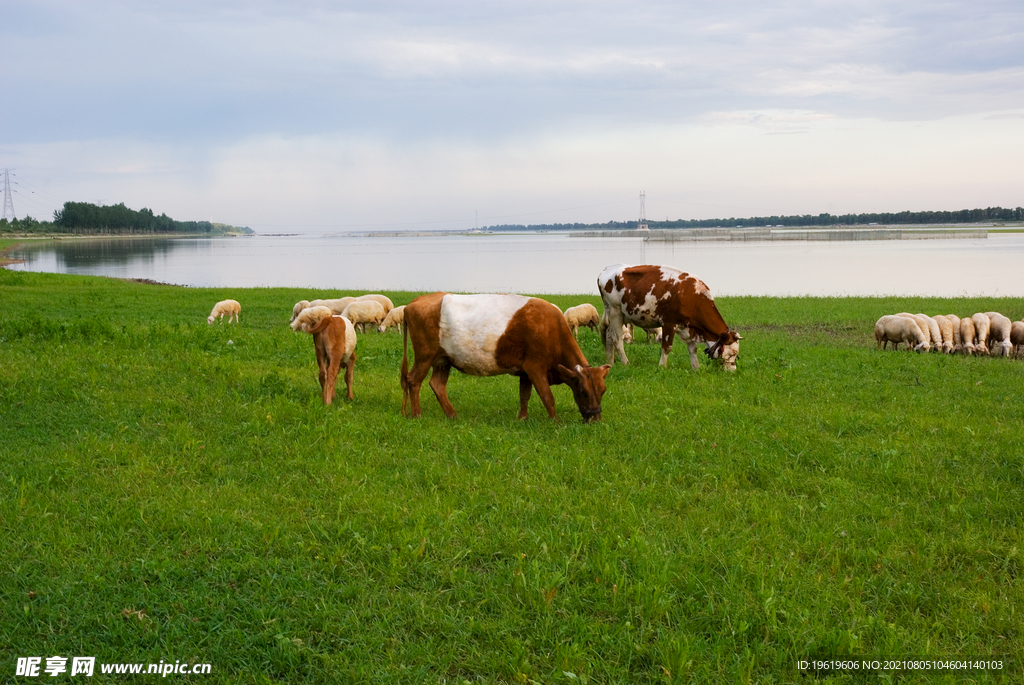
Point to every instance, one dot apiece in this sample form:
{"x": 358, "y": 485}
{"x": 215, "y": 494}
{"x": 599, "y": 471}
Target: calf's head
{"x": 587, "y": 383}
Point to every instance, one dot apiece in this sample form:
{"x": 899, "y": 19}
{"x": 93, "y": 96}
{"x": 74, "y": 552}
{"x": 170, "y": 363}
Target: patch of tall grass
{"x": 174, "y": 490}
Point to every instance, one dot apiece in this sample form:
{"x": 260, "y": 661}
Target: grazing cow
{"x": 334, "y": 339}
{"x": 650, "y": 296}
{"x": 490, "y": 335}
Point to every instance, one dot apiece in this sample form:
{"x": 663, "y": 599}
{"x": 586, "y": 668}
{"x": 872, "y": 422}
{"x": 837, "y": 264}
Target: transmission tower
{"x": 641, "y": 225}
{"x": 8, "y": 201}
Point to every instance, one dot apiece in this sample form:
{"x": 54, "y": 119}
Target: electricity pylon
{"x": 8, "y": 201}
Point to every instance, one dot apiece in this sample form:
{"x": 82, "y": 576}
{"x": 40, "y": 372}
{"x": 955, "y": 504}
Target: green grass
{"x": 173, "y": 490}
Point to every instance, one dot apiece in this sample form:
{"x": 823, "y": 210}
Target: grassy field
{"x": 177, "y": 491}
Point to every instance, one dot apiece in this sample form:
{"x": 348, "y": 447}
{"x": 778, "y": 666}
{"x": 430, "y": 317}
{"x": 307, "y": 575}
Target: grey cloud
{"x": 407, "y": 70}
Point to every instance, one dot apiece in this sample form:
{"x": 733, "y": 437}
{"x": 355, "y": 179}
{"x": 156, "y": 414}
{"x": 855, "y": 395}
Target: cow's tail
{"x": 320, "y": 325}
{"x": 404, "y": 377}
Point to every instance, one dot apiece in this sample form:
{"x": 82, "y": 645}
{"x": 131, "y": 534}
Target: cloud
{"x": 401, "y": 112}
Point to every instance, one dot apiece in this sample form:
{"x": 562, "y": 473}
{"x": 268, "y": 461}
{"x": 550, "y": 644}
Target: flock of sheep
{"x": 988, "y": 333}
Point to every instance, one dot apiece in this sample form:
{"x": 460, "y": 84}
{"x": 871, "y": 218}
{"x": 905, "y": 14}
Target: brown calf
{"x": 334, "y": 339}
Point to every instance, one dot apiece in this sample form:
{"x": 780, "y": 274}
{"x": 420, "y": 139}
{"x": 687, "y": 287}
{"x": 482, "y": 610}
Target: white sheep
{"x": 396, "y": 317}
{"x": 896, "y": 329}
{"x": 946, "y": 329}
{"x": 1017, "y": 337}
{"x": 309, "y": 317}
{"x": 967, "y": 335}
{"x": 929, "y": 327}
{"x": 362, "y": 312}
{"x": 582, "y": 315}
{"x": 981, "y": 328}
{"x": 229, "y": 307}
{"x": 954, "y": 322}
{"x": 382, "y": 299}
{"x": 337, "y": 306}
{"x": 999, "y": 335}
{"x": 653, "y": 334}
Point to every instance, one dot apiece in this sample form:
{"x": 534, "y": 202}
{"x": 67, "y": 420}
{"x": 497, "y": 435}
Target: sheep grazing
{"x": 337, "y": 306}
{"x": 582, "y": 315}
{"x": 967, "y": 335}
{"x": 999, "y": 335}
{"x": 929, "y": 327}
{"x": 653, "y": 334}
{"x": 362, "y": 312}
{"x": 396, "y": 317}
{"x": 229, "y": 307}
{"x": 954, "y": 322}
{"x": 382, "y": 299}
{"x": 896, "y": 329}
{"x": 946, "y": 329}
{"x": 1017, "y": 337}
{"x": 334, "y": 339}
{"x": 981, "y": 329}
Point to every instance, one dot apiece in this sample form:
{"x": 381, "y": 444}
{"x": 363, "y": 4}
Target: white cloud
{"x": 422, "y": 113}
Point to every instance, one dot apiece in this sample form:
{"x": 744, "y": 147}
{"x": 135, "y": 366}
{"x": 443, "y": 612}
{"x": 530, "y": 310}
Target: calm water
{"x": 547, "y": 263}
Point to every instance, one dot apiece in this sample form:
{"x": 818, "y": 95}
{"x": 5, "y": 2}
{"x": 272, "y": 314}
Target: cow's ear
{"x": 604, "y": 369}
{"x": 567, "y": 375}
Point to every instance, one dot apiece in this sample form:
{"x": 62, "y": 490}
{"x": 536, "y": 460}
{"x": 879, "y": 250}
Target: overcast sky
{"x": 340, "y": 116}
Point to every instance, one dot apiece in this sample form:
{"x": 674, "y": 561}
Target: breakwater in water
{"x": 776, "y": 234}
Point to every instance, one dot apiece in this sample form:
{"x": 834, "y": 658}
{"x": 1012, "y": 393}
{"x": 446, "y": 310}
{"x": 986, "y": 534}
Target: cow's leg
{"x": 349, "y": 371}
{"x": 539, "y": 378}
{"x": 691, "y": 346}
{"x": 613, "y": 339}
{"x": 321, "y": 359}
{"x": 439, "y": 384}
{"x": 525, "y": 388}
{"x": 666, "y": 345}
{"x": 411, "y": 386}
{"x": 334, "y": 363}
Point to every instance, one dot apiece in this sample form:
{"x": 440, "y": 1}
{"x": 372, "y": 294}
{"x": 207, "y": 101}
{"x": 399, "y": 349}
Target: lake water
{"x": 546, "y": 263}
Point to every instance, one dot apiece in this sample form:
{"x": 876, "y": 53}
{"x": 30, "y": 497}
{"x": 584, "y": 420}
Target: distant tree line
{"x": 963, "y": 216}
{"x": 84, "y": 218}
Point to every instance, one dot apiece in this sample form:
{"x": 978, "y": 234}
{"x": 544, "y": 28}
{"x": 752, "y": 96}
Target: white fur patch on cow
{"x": 471, "y": 326}
{"x": 350, "y": 337}
{"x": 644, "y": 315}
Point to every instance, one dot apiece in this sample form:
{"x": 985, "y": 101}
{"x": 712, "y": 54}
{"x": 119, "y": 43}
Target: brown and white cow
{"x": 334, "y": 340}
{"x": 650, "y": 296}
{"x": 491, "y": 335}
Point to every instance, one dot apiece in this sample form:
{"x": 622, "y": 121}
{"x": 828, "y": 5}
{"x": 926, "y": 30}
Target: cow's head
{"x": 726, "y": 348}
{"x": 587, "y": 383}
